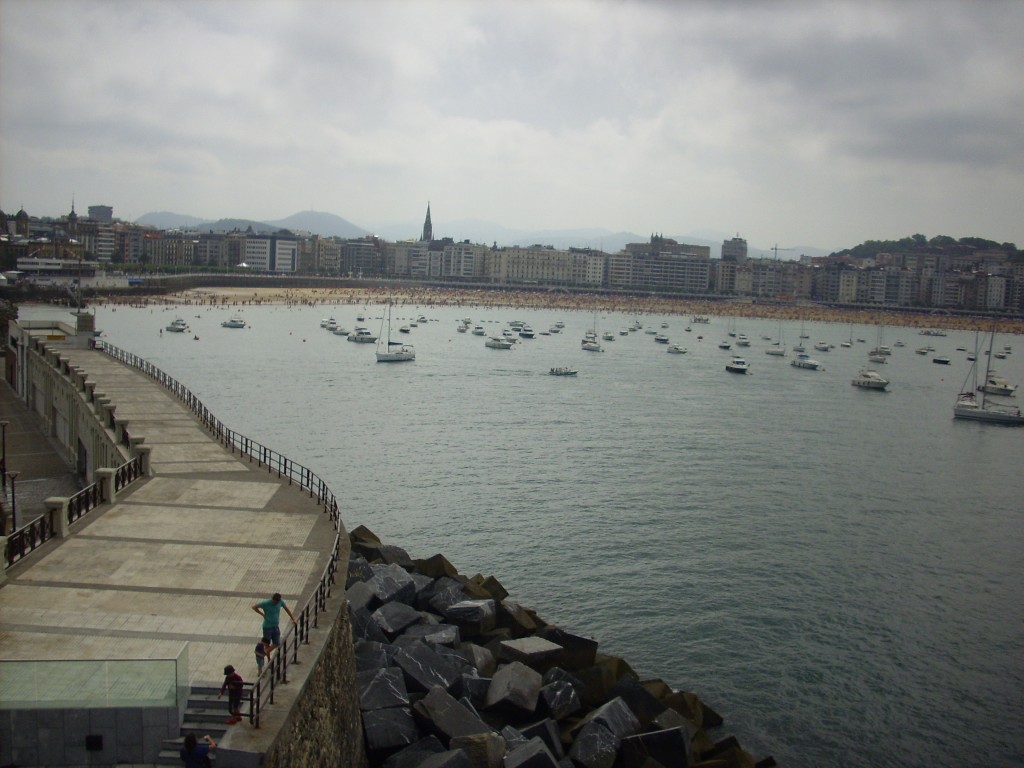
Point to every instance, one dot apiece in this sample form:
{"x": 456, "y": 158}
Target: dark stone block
{"x": 483, "y": 749}
{"x": 710, "y": 718}
{"x": 394, "y": 617}
{"x": 472, "y": 616}
{"x": 535, "y": 652}
{"x": 599, "y": 679}
{"x": 453, "y": 758}
{"x": 513, "y": 737}
{"x": 445, "y": 717}
{"x": 479, "y": 657}
{"x": 391, "y": 554}
{"x": 414, "y": 754}
{"x": 547, "y": 731}
{"x": 358, "y": 570}
{"x": 670, "y": 748}
{"x": 382, "y": 688}
{"x": 559, "y": 699}
{"x": 530, "y": 754}
{"x": 371, "y": 658}
{"x": 364, "y": 627}
{"x": 616, "y": 716}
{"x": 388, "y": 730}
{"x": 361, "y": 595}
{"x": 514, "y": 685}
{"x": 557, "y": 673}
{"x": 475, "y": 689}
{"x": 436, "y": 634}
{"x": 766, "y": 762}
{"x": 422, "y": 582}
{"x": 436, "y": 567}
{"x": 424, "y": 667}
{"x": 640, "y": 701}
{"x": 688, "y": 705}
{"x": 490, "y": 586}
{"x": 392, "y": 582}
{"x": 595, "y": 747}
{"x": 362, "y": 535}
{"x": 516, "y": 619}
{"x": 444, "y": 594}
{"x": 577, "y": 652}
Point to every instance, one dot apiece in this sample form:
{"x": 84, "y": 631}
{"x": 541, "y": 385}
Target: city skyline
{"x": 811, "y": 124}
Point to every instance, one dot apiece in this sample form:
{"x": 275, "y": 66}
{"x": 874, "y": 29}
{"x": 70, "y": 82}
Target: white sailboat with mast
{"x": 969, "y": 406}
{"x": 393, "y": 351}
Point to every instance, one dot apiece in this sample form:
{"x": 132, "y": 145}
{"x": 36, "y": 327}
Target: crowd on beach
{"x": 479, "y": 299}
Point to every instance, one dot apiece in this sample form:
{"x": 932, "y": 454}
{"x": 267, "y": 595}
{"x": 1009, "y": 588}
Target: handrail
{"x": 275, "y": 672}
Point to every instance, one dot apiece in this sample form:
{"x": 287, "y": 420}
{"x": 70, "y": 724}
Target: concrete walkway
{"x": 181, "y": 556}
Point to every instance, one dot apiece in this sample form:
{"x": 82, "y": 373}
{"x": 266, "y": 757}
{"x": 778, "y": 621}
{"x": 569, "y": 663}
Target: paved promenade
{"x": 181, "y": 555}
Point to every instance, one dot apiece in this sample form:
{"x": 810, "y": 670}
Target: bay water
{"x": 838, "y": 572}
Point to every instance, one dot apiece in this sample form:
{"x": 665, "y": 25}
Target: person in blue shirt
{"x": 196, "y": 755}
{"x": 270, "y": 610}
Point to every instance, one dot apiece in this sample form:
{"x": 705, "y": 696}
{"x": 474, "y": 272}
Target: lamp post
{"x": 14, "y": 503}
{"x": 3, "y": 456}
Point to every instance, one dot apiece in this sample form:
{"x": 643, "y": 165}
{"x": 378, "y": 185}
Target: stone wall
{"x": 324, "y": 729}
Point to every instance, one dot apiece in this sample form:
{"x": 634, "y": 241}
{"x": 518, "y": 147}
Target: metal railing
{"x": 275, "y": 672}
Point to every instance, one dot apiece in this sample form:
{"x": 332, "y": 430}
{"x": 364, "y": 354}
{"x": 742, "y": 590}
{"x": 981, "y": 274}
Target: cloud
{"x": 805, "y": 122}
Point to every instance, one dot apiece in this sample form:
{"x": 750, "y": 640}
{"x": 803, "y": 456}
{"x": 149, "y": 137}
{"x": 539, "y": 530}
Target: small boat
{"x": 997, "y": 385}
{"x": 559, "y": 325}
{"x": 361, "y": 335}
{"x": 554, "y": 329}
{"x": 405, "y": 329}
{"x": 563, "y": 372}
{"x": 805, "y": 361}
{"x": 234, "y": 322}
{"x": 526, "y": 332}
{"x": 724, "y": 345}
{"x": 478, "y": 330}
{"x": 869, "y": 379}
{"x": 624, "y": 332}
{"x": 742, "y": 341}
{"x": 899, "y": 344}
{"x": 737, "y": 365}
{"x": 878, "y": 359}
{"x": 339, "y": 330}
{"x": 360, "y": 317}
{"x": 941, "y": 360}
{"x": 822, "y": 346}
{"x": 590, "y": 346}
{"x": 664, "y": 325}
{"x": 498, "y": 342}
{"x": 777, "y": 350}
{"x": 969, "y": 406}
{"x": 675, "y": 349}
{"x": 421, "y": 319}
{"x": 178, "y": 325}
{"x": 608, "y": 336}
{"x": 661, "y": 338}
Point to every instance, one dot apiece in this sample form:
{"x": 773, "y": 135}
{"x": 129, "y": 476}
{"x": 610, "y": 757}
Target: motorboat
{"x": 675, "y": 349}
{"x": 869, "y": 379}
{"x": 554, "y": 329}
{"x": 361, "y": 335}
{"x": 737, "y": 365}
{"x": 234, "y": 322}
{"x": 661, "y": 338}
{"x": 724, "y": 345}
{"x": 624, "y": 332}
{"x": 608, "y": 336}
{"x": 178, "y": 325}
{"x": 881, "y": 349}
{"x": 921, "y": 351}
{"x": 478, "y": 330}
{"x": 805, "y": 361}
{"x": 591, "y": 346}
{"x": 329, "y": 324}
{"x": 742, "y": 341}
{"x": 405, "y": 329}
{"x": 498, "y": 342}
{"x": 563, "y": 372}
{"x": 997, "y": 385}
{"x": 941, "y": 360}
{"x": 822, "y": 346}
{"x": 526, "y": 332}
{"x": 664, "y": 325}
{"x": 421, "y": 319}
{"x": 559, "y": 325}
{"x": 339, "y": 330}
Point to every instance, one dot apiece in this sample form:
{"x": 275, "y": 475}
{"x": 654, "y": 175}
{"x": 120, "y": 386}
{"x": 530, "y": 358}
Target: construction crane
{"x": 775, "y": 249}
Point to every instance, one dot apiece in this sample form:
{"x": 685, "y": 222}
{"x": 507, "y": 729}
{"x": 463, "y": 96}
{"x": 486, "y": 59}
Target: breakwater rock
{"x": 452, "y": 673}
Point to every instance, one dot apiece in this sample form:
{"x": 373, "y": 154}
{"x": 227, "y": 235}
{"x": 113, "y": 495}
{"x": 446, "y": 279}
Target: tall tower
{"x": 428, "y": 231}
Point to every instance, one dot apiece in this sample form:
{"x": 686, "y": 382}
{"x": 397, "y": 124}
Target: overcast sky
{"x": 798, "y": 123}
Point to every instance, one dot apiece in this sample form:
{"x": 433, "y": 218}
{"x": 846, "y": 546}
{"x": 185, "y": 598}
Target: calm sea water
{"x": 838, "y": 572}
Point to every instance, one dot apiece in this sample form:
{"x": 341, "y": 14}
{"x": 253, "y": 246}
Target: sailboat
{"x": 969, "y": 406}
{"x": 393, "y": 351}
{"x": 799, "y": 346}
{"x": 778, "y": 347}
{"x": 590, "y": 342}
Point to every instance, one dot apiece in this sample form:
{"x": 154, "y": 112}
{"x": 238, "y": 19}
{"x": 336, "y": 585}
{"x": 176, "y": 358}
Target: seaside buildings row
{"x": 948, "y": 278}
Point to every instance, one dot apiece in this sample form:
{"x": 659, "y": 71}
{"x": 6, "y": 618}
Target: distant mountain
{"x": 168, "y": 220}
{"x": 320, "y": 223}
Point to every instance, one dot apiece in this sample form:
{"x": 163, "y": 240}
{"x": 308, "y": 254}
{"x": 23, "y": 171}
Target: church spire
{"x": 428, "y": 230}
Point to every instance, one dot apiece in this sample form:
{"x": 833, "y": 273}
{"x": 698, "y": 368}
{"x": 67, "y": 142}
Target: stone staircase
{"x": 205, "y": 714}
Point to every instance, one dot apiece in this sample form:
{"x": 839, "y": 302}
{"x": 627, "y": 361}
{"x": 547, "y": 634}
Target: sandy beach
{"x": 471, "y": 300}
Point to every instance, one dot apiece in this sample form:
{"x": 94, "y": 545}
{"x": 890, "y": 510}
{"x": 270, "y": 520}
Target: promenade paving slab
{"x": 180, "y": 557}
